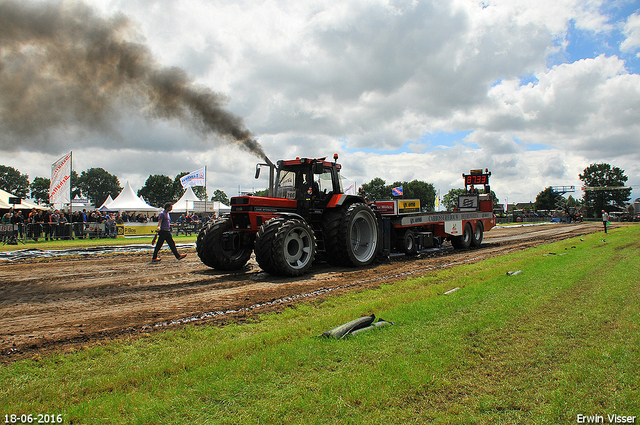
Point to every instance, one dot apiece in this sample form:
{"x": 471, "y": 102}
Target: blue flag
{"x": 397, "y": 191}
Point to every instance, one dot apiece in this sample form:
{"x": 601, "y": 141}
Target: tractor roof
{"x": 303, "y": 161}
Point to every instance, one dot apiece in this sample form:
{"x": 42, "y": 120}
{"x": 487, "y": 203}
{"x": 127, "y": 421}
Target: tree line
{"x": 594, "y": 176}
{"x": 598, "y": 177}
{"x": 97, "y": 184}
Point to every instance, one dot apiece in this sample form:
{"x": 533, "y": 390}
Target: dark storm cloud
{"x": 62, "y": 67}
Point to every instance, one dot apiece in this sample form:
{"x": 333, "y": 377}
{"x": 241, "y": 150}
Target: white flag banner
{"x": 60, "y": 187}
{"x": 194, "y": 178}
{"x": 351, "y": 190}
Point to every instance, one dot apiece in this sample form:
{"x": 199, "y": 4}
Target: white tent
{"x": 127, "y": 200}
{"x": 78, "y": 204}
{"x": 185, "y": 203}
{"x": 23, "y": 205}
{"x": 106, "y": 203}
{"x": 221, "y": 208}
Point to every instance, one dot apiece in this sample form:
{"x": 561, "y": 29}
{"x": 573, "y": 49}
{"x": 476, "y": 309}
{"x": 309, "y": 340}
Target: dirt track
{"x": 59, "y": 303}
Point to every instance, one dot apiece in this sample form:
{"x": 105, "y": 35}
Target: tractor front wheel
{"x": 285, "y": 247}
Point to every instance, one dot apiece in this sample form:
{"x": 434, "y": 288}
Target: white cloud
{"x": 313, "y": 78}
{"x": 632, "y": 33}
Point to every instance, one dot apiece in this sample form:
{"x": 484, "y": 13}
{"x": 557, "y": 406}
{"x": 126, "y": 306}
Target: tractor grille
{"x": 241, "y": 221}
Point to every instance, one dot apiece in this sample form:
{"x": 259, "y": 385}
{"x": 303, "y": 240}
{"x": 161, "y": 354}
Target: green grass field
{"x": 559, "y": 340}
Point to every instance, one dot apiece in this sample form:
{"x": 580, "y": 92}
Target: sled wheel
{"x": 408, "y": 243}
{"x": 478, "y": 233}
{"x": 464, "y": 241}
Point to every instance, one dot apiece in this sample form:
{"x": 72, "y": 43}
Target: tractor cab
{"x": 307, "y": 179}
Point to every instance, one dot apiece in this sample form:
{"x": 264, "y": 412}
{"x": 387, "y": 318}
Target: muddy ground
{"x": 67, "y": 302}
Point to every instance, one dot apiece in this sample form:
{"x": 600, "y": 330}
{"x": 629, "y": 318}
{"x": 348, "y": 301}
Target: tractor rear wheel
{"x": 210, "y": 251}
{"x": 285, "y": 247}
{"x": 352, "y": 236}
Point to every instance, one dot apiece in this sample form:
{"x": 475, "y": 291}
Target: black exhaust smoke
{"x": 63, "y": 67}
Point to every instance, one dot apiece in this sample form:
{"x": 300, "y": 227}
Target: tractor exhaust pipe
{"x": 272, "y": 170}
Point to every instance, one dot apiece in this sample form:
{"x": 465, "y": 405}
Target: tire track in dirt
{"x": 58, "y": 303}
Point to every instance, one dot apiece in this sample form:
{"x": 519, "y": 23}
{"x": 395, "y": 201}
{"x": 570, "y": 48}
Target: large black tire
{"x": 478, "y": 234}
{"x": 464, "y": 241}
{"x": 285, "y": 247}
{"x": 210, "y": 251}
{"x": 407, "y": 243}
{"x": 264, "y": 244}
{"x": 352, "y": 236}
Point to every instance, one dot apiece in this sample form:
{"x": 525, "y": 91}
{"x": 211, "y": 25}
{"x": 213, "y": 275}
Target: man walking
{"x": 164, "y": 234}
{"x": 605, "y": 219}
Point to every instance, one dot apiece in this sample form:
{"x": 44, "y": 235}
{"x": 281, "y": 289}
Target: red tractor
{"x": 306, "y": 213}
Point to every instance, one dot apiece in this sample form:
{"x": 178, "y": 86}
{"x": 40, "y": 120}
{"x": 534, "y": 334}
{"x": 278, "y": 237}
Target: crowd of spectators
{"x": 64, "y": 224}
{"x": 194, "y": 218}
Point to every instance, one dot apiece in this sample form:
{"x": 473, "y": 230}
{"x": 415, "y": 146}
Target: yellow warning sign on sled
{"x": 408, "y": 206}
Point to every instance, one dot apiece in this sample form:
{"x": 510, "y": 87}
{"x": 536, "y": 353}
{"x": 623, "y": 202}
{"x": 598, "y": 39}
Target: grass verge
{"x": 556, "y": 341}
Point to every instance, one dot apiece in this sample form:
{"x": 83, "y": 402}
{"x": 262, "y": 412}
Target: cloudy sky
{"x": 535, "y": 91}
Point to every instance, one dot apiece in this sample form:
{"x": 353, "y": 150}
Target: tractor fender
{"x": 291, "y": 215}
{"x": 340, "y": 199}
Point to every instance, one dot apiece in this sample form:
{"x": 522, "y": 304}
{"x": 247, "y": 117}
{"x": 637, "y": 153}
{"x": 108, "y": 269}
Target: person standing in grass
{"x": 164, "y": 234}
{"x": 605, "y": 219}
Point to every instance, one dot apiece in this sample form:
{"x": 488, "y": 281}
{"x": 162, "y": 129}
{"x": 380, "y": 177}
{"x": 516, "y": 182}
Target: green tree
{"x": 375, "y": 190}
{"x": 97, "y": 184}
{"x": 600, "y": 177}
{"x": 13, "y": 181}
{"x": 157, "y": 190}
{"x": 417, "y": 189}
{"x": 200, "y": 191}
{"x": 40, "y": 190}
{"x": 546, "y": 200}
{"x": 496, "y": 201}
{"x": 572, "y": 202}
{"x": 75, "y": 190}
{"x": 450, "y": 200}
{"x": 220, "y": 196}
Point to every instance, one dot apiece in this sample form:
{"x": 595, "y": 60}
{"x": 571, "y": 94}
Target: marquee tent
{"x": 105, "y": 204}
{"x": 127, "y": 200}
{"x": 185, "y": 203}
{"x": 23, "y": 205}
{"x": 221, "y": 208}
{"x": 189, "y": 202}
{"x": 78, "y": 204}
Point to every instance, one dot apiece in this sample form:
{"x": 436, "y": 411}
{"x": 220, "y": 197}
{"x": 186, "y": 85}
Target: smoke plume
{"x": 64, "y": 67}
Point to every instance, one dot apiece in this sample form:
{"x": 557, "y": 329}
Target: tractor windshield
{"x": 286, "y": 184}
{"x": 293, "y": 182}
{"x": 324, "y": 181}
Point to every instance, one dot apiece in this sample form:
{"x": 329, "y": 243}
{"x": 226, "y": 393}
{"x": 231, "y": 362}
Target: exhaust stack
{"x": 272, "y": 172}
{"x": 272, "y": 175}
